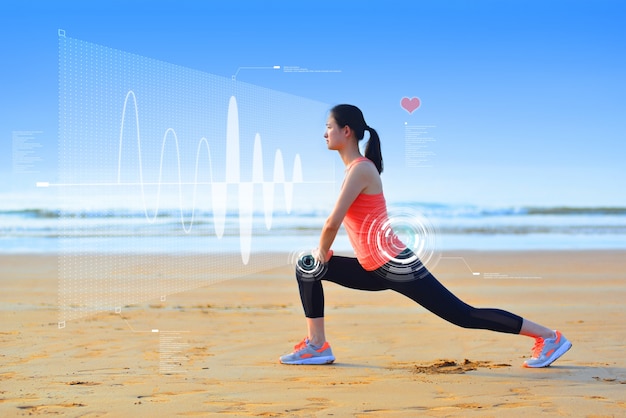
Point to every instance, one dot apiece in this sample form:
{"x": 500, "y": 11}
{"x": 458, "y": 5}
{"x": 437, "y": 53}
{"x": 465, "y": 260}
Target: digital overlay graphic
{"x": 160, "y": 165}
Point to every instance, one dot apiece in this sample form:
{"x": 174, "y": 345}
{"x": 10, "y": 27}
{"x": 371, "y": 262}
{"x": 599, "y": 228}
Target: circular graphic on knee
{"x": 405, "y": 242}
{"x": 307, "y": 267}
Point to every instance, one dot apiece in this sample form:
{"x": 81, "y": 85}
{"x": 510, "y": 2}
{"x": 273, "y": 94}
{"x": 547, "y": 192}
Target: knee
{"x": 314, "y": 274}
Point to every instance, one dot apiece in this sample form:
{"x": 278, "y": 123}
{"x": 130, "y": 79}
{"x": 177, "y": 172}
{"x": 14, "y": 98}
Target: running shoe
{"x": 305, "y": 353}
{"x": 547, "y": 350}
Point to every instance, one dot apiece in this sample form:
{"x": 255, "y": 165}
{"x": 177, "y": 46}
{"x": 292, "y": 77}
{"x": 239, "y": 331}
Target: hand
{"x": 320, "y": 257}
{"x": 317, "y": 256}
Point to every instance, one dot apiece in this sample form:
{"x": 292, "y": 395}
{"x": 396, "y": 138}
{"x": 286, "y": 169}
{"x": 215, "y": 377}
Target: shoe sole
{"x": 558, "y": 353}
{"x": 312, "y": 360}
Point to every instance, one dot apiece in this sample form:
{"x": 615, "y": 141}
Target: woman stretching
{"x": 385, "y": 262}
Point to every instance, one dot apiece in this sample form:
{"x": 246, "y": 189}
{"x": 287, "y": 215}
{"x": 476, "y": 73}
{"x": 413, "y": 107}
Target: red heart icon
{"x": 410, "y": 104}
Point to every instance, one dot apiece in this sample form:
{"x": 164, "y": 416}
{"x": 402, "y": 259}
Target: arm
{"x": 357, "y": 180}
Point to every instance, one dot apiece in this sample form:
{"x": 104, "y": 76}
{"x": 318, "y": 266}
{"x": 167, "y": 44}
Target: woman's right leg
{"x": 345, "y": 271}
{"x": 314, "y": 349}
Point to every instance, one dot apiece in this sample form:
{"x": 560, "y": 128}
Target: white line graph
{"x": 219, "y": 190}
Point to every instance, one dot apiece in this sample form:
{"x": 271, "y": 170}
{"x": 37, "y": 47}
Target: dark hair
{"x": 349, "y": 115}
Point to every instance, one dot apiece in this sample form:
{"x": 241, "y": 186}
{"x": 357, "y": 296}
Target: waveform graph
{"x": 218, "y": 190}
{"x": 163, "y": 167}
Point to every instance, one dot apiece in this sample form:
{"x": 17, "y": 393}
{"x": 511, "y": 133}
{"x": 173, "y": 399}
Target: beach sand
{"x": 217, "y": 346}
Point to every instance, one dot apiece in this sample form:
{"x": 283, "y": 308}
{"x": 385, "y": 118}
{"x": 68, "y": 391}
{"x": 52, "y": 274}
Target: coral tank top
{"x": 369, "y": 230}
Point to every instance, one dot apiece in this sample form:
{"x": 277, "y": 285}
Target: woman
{"x": 362, "y": 209}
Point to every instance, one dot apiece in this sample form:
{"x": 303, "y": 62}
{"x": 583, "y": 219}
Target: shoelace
{"x": 538, "y": 347}
{"x": 302, "y": 344}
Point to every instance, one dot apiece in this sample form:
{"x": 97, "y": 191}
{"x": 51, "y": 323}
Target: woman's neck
{"x": 349, "y": 154}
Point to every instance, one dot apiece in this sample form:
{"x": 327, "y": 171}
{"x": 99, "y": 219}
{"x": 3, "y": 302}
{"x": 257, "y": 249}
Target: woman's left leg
{"x": 428, "y": 292}
{"x": 432, "y": 295}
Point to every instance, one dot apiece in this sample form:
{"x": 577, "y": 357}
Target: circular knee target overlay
{"x": 415, "y": 232}
{"x": 308, "y": 267}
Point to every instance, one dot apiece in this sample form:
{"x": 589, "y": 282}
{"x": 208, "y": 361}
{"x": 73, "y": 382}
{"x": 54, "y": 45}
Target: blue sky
{"x": 527, "y": 96}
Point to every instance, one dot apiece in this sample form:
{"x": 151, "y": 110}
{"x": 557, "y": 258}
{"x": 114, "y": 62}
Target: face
{"x": 335, "y": 136}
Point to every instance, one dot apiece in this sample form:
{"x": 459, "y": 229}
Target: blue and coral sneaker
{"x": 305, "y": 353}
{"x": 547, "y": 350}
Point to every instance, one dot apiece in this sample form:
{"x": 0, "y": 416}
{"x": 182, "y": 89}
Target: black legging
{"x": 425, "y": 290}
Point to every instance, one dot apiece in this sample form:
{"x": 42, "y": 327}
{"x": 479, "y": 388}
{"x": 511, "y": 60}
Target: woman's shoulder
{"x": 368, "y": 175}
{"x": 363, "y": 163}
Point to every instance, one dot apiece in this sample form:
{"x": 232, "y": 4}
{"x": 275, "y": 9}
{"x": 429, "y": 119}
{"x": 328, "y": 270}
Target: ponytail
{"x": 349, "y": 115}
{"x": 372, "y": 149}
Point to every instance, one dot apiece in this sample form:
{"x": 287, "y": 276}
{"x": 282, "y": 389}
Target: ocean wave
{"x": 173, "y": 231}
{"x": 428, "y": 209}
{"x": 537, "y": 229}
{"x": 30, "y": 213}
{"x": 570, "y": 210}
{"x": 473, "y": 211}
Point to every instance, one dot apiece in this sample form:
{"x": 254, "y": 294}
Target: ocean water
{"x": 26, "y": 228}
